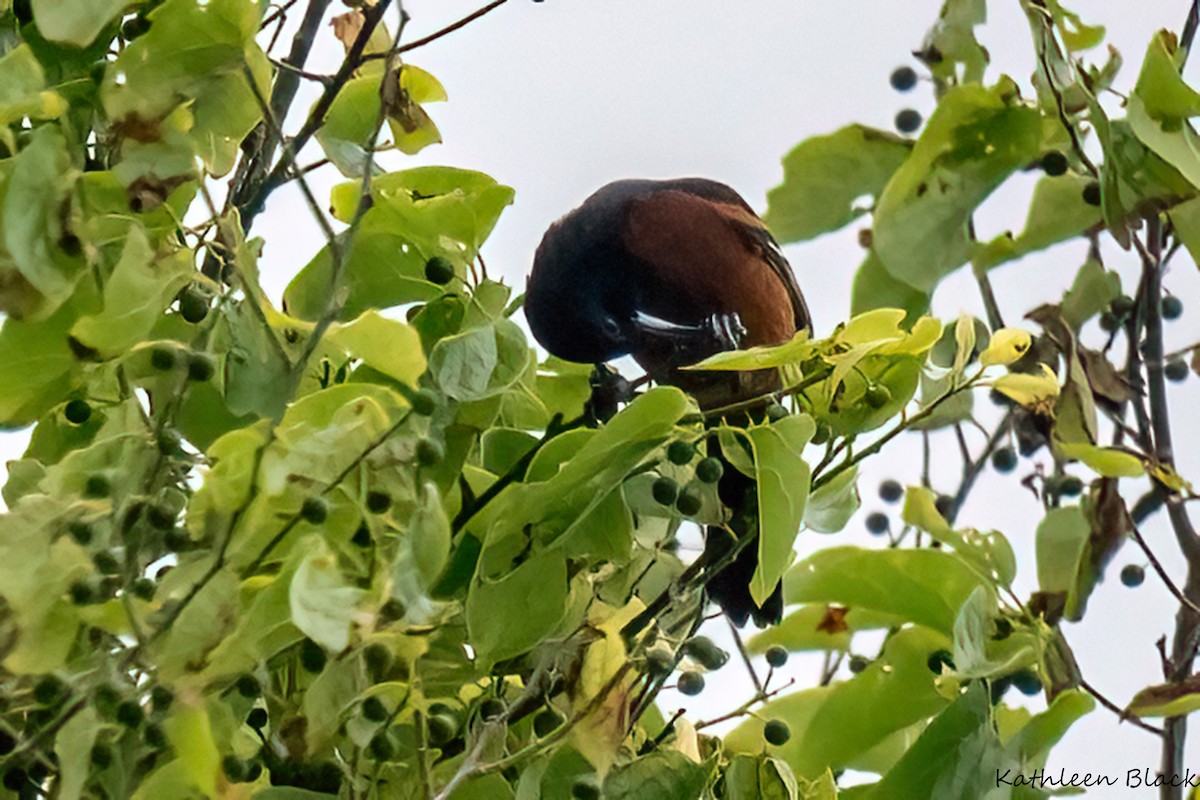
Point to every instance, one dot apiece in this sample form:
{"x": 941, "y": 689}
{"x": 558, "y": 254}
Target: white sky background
{"x": 558, "y": 98}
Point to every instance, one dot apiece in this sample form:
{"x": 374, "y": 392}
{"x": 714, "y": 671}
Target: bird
{"x": 671, "y": 272}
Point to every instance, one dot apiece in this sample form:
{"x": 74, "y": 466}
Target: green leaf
{"x": 481, "y": 362}
{"x": 833, "y": 725}
{"x": 832, "y": 505}
{"x": 190, "y": 732}
{"x": 73, "y": 746}
{"x": 825, "y": 177}
{"x": 33, "y": 219}
{"x": 1178, "y": 146}
{"x": 23, "y": 90}
{"x": 1186, "y": 219}
{"x": 135, "y": 295}
{"x": 1092, "y": 292}
{"x": 1031, "y": 744}
{"x": 782, "y": 478}
{"x": 989, "y": 553}
{"x": 925, "y": 586}
{"x": 68, "y": 22}
{"x": 957, "y": 756}
{"x": 1160, "y": 87}
{"x": 386, "y": 345}
{"x": 195, "y": 53}
{"x": 1062, "y": 537}
{"x": 977, "y": 137}
{"x": 820, "y": 627}
{"x": 1167, "y": 699}
{"x": 322, "y": 601}
{"x": 762, "y": 777}
{"x": 1057, "y": 212}
{"x": 39, "y": 365}
{"x": 509, "y": 616}
{"x": 874, "y": 287}
{"x": 952, "y": 38}
{"x": 660, "y": 775}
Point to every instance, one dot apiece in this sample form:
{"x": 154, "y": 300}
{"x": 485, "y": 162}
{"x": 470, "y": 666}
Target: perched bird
{"x": 671, "y": 272}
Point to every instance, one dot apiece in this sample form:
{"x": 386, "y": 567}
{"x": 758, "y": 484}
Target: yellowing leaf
{"x": 1167, "y": 699}
{"x": 1110, "y": 462}
{"x": 1029, "y": 389}
{"x": 1007, "y": 345}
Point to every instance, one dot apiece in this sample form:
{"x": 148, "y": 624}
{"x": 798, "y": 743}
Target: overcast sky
{"x": 558, "y": 98}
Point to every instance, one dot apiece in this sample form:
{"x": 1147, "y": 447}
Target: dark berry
{"x": 680, "y": 452}
{"x": 381, "y": 747}
{"x": 439, "y": 270}
{"x": 77, "y": 411}
{"x": 312, "y": 656}
{"x": 362, "y": 536}
{"x": 143, "y": 589}
{"x": 101, "y": 755}
{"x": 134, "y": 27}
{"x": 937, "y": 659}
{"x": 390, "y": 611}
{"x": 169, "y": 442}
{"x": 908, "y": 120}
{"x": 1004, "y": 459}
{"x": 1027, "y": 682}
{"x": 377, "y": 658}
{"x": 130, "y": 713}
{"x": 374, "y": 710}
{"x": 201, "y": 367}
{"x": 193, "y": 306}
{"x": 378, "y": 502}
{"x": 442, "y": 729}
{"x": 944, "y": 503}
{"x": 161, "y": 516}
{"x": 83, "y": 592}
{"x": 248, "y": 686}
{"x": 890, "y": 491}
{"x": 97, "y": 486}
{"x": 545, "y": 722}
{"x": 1003, "y": 629}
{"x": 81, "y": 532}
{"x": 8, "y": 742}
{"x": 1091, "y": 193}
{"x": 424, "y": 402}
{"x": 776, "y": 732}
{"x": 688, "y": 503}
{"x": 665, "y": 491}
{"x": 710, "y": 470}
{"x": 1070, "y": 486}
{"x": 154, "y": 736}
{"x": 660, "y": 661}
{"x": 492, "y": 708}
{"x": 903, "y": 79}
{"x": 705, "y": 652}
{"x": 1132, "y": 575}
{"x": 776, "y": 412}
{"x": 107, "y": 562}
{"x": 690, "y": 683}
{"x": 176, "y": 540}
{"x": 429, "y": 453}
{"x": 162, "y": 358}
{"x": 257, "y": 718}
{"x": 1176, "y": 370}
{"x": 1122, "y": 306}
{"x": 49, "y": 689}
{"x": 585, "y": 788}
{"x": 1054, "y": 163}
{"x": 858, "y": 663}
{"x": 777, "y": 655}
{"x": 878, "y": 523}
{"x": 1171, "y": 307}
{"x": 1109, "y": 322}
{"x": 315, "y": 510}
{"x": 161, "y": 697}
{"x": 234, "y": 767}
{"x": 878, "y": 395}
{"x": 822, "y": 434}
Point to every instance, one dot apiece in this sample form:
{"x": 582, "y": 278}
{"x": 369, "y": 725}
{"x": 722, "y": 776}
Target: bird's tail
{"x": 730, "y": 587}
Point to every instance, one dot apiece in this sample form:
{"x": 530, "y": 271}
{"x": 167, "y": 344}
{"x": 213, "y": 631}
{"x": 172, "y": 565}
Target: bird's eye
{"x": 610, "y": 327}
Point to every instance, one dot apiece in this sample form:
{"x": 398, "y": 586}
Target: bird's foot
{"x": 727, "y": 329}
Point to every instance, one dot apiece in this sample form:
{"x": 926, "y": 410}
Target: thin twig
{"x": 451, "y": 28}
{"x": 741, "y": 648}
{"x": 1116, "y": 709}
{"x": 1162, "y": 573}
